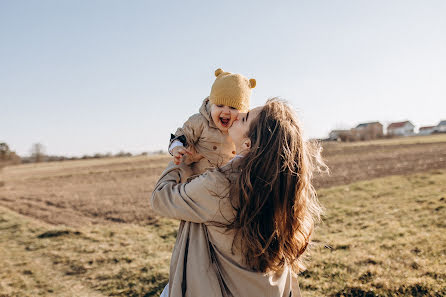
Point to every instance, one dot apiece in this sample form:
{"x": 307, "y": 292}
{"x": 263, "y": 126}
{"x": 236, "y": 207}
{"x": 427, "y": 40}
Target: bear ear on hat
{"x": 252, "y": 83}
{"x": 218, "y": 72}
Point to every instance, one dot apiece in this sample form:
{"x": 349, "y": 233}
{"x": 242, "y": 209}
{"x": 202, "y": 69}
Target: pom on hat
{"x": 252, "y": 83}
{"x": 218, "y": 72}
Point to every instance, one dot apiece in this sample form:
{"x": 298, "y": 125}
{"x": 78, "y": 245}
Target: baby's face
{"x": 223, "y": 116}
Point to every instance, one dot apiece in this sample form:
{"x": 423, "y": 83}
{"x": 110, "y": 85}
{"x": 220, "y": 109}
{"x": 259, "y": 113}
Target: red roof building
{"x": 426, "y": 130}
{"x": 400, "y": 128}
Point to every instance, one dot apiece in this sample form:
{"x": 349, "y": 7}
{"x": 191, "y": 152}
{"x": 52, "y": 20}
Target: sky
{"x": 85, "y": 77}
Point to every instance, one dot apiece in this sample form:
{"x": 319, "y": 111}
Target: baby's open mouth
{"x": 224, "y": 122}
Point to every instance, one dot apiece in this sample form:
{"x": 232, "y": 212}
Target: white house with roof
{"x": 441, "y": 127}
{"x": 405, "y": 128}
{"x": 426, "y": 130}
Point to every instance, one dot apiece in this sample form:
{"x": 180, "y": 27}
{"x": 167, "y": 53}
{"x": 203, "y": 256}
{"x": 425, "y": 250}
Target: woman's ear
{"x": 246, "y": 145}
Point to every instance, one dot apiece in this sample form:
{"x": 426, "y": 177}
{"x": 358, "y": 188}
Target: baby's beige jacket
{"x": 203, "y": 135}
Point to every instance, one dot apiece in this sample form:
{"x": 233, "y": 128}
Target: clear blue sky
{"x": 83, "y": 77}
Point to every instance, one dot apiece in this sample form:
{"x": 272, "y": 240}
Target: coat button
{"x": 215, "y": 147}
{"x": 233, "y": 152}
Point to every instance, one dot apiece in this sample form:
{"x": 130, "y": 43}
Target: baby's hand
{"x": 193, "y": 156}
{"x": 178, "y": 152}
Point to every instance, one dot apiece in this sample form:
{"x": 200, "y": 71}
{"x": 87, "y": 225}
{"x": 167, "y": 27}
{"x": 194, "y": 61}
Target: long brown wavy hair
{"x": 275, "y": 203}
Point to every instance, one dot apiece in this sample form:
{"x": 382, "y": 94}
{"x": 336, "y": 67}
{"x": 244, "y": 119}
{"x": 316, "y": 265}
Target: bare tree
{"x": 4, "y": 151}
{"x": 37, "y": 152}
{"x": 8, "y": 157}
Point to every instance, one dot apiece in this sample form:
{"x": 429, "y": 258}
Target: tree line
{"x": 37, "y": 154}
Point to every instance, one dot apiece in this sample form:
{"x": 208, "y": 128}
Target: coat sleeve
{"x": 197, "y": 201}
{"x": 192, "y": 129}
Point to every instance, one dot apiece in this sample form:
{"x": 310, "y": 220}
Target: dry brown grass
{"x": 382, "y": 237}
{"x": 38, "y": 259}
{"x": 86, "y": 227}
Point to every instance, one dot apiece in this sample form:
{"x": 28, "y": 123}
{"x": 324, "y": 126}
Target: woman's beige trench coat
{"x": 202, "y": 262}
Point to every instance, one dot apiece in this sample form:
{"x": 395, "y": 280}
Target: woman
{"x": 244, "y": 227}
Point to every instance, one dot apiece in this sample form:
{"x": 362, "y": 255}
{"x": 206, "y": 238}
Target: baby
{"x": 203, "y": 141}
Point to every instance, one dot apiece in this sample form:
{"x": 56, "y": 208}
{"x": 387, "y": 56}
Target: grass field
{"x": 84, "y": 228}
{"x": 382, "y": 237}
{"x": 103, "y": 260}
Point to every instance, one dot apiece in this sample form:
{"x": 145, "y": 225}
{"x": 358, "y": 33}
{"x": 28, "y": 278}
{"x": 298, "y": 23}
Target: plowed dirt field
{"x": 117, "y": 190}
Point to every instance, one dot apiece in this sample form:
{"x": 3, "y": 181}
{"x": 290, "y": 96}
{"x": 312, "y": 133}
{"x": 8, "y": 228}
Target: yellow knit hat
{"x": 232, "y": 89}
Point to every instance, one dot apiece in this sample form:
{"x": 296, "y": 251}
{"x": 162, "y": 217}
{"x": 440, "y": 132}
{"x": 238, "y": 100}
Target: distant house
{"x": 427, "y": 130}
{"x": 367, "y": 131}
{"x": 441, "y": 127}
{"x": 339, "y": 135}
{"x": 401, "y": 129}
